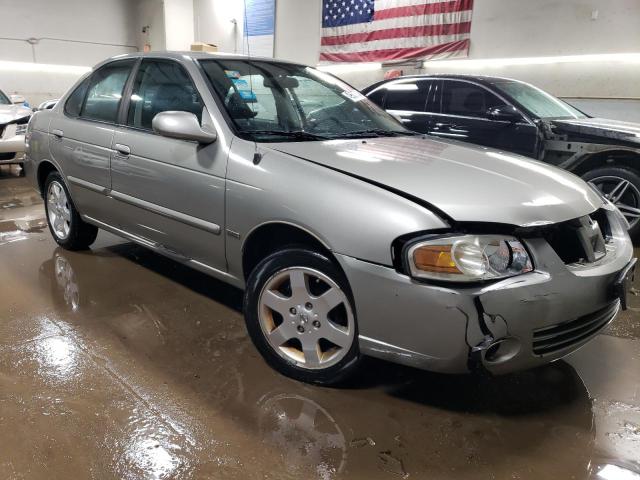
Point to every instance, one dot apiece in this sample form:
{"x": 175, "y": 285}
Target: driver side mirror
{"x": 504, "y": 113}
{"x": 183, "y": 126}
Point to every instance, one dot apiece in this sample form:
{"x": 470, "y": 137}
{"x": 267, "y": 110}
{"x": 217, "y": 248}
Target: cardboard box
{"x": 203, "y": 47}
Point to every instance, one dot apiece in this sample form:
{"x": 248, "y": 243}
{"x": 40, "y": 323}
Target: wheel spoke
{"x": 311, "y": 353}
{"x": 336, "y": 335}
{"x": 299, "y": 290}
{"x": 280, "y": 335}
{"x": 329, "y": 299}
{"x": 618, "y": 190}
{"x": 276, "y": 302}
{"x": 66, "y": 214}
{"x": 628, "y": 210}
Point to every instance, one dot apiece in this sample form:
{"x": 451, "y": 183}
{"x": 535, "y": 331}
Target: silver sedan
{"x": 350, "y": 235}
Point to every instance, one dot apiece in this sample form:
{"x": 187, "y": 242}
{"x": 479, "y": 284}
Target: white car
{"x": 14, "y": 117}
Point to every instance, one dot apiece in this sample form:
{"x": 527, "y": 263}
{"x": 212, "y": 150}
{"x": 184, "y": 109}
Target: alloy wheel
{"x": 306, "y": 318}
{"x": 59, "y": 210}
{"x": 623, "y": 194}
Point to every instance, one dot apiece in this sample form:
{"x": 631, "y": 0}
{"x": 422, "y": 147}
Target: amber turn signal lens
{"x": 435, "y": 258}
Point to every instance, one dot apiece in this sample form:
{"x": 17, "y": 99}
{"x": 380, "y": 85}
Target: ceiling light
{"x": 43, "y": 68}
{"x": 503, "y": 62}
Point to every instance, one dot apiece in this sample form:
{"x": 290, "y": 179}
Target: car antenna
{"x": 257, "y": 156}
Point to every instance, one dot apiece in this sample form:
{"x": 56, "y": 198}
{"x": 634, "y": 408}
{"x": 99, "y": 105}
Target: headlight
{"x": 21, "y": 129}
{"x": 468, "y": 258}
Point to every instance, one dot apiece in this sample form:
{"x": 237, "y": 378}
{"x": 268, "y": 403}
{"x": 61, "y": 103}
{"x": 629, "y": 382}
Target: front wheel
{"x": 300, "y": 316}
{"x": 622, "y": 187}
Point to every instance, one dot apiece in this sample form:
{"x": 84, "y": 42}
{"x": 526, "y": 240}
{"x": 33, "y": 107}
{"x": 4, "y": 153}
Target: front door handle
{"x": 445, "y": 125}
{"x": 123, "y": 150}
{"x": 57, "y": 133}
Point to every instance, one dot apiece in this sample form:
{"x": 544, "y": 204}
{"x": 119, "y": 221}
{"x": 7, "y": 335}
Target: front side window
{"x": 468, "y": 100}
{"x": 538, "y": 102}
{"x": 105, "y": 91}
{"x": 161, "y": 86}
{"x": 409, "y": 96}
{"x": 270, "y": 101}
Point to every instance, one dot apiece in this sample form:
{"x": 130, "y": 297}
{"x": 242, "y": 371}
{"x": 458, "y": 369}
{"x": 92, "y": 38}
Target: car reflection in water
{"x": 395, "y": 420}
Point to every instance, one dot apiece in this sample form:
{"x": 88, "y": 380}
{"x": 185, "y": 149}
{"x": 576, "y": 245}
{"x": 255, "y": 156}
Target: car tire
{"x": 67, "y": 228}
{"x": 288, "y": 317}
{"x": 607, "y": 179}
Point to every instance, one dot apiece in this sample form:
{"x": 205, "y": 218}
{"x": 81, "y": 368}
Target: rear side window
{"x": 105, "y": 91}
{"x": 161, "y": 86}
{"x": 467, "y": 99}
{"x": 75, "y": 100}
{"x": 411, "y": 96}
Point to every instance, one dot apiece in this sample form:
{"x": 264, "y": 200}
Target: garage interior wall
{"x": 108, "y": 28}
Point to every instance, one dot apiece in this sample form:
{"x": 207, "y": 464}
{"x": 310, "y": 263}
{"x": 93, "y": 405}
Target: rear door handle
{"x": 57, "y": 133}
{"x": 123, "y": 150}
{"x": 445, "y": 125}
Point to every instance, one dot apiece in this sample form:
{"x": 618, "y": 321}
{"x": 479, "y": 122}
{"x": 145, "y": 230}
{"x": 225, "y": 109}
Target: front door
{"x": 170, "y": 192}
{"x": 464, "y": 116}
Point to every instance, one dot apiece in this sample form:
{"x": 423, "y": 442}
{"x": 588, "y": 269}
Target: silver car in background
{"x": 14, "y": 117}
{"x": 350, "y": 235}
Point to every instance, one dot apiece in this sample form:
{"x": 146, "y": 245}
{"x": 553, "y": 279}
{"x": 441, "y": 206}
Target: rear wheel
{"x": 300, "y": 316}
{"x": 622, "y": 187}
{"x": 65, "y": 224}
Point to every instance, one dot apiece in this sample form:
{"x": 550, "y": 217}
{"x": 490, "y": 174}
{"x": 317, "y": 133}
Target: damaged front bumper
{"x": 510, "y": 325}
{"x": 12, "y": 145}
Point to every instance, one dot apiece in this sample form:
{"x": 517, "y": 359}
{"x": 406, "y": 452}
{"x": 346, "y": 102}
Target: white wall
{"x": 213, "y": 23}
{"x": 298, "y": 29}
{"x": 71, "y": 32}
{"x": 179, "y": 24}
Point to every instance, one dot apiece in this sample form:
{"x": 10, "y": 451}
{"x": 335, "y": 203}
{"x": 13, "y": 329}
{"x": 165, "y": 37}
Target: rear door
{"x": 464, "y": 116}
{"x": 169, "y": 191}
{"x": 81, "y": 136}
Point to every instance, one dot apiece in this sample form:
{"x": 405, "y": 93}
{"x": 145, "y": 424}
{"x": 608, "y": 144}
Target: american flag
{"x": 392, "y": 30}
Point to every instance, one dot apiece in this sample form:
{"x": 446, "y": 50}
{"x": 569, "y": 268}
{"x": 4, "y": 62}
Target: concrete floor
{"x": 118, "y": 363}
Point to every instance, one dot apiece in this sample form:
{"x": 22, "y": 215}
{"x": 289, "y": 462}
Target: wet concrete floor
{"x": 117, "y": 363}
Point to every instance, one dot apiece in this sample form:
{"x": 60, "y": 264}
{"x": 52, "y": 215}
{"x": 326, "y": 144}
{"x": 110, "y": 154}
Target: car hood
{"x": 610, "y": 129}
{"x": 11, "y": 113}
{"x": 467, "y": 183}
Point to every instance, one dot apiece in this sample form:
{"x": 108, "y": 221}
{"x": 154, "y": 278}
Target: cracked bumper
{"x": 449, "y": 329}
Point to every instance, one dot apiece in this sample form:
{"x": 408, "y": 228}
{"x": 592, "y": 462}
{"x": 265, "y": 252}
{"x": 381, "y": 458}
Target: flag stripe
{"x": 384, "y": 4}
{"x": 389, "y": 33}
{"x": 403, "y": 42}
{"x": 392, "y": 54}
{"x": 400, "y": 22}
{"x": 424, "y": 9}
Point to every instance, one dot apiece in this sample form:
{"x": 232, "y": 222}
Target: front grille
{"x": 7, "y": 155}
{"x": 565, "y": 238}
{"x": 557, "y": 337}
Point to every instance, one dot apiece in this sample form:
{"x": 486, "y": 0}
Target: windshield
{"x": 538, "y": 102}
{"x": 270, "y": 101}
{"x": 4, "y": 100}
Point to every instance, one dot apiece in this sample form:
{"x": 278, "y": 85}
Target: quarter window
{"x": 105, "y": 91}
{"x": 467, "y": 99}
{"x": 74, "y": 103}
{"x": 161, "y": 86}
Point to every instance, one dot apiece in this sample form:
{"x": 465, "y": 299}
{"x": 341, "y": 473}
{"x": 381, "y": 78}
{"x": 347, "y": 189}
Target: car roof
{"x": 483, "y": 79}
{"x": 183, "y": 55}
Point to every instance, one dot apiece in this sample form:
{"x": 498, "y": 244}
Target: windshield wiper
{"x": 297, "y": 134}
{"x": 375, "y": 132}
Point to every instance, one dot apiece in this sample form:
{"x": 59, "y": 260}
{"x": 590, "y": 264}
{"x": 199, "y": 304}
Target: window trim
{"x": 124, "y": 112}
{"x": 84, "y": 99}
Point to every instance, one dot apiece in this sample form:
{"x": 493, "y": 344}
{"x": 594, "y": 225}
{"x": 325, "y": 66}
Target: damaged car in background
{"x": 518, "y": 117}
{"x": 350, "y": 234}
{"x": 14, "y": 117}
